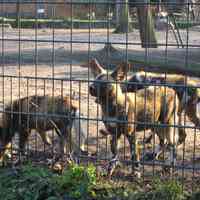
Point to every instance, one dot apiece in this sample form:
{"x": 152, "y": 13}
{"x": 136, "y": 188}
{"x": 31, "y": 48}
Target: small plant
{"x": 27, "y": 183}
{"x": 169, "y": 190}
{"x": 77, "y": 181}
{"x": 109, "y": 190}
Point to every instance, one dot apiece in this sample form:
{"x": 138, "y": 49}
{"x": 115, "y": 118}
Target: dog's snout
{"x": 92, "y": 90}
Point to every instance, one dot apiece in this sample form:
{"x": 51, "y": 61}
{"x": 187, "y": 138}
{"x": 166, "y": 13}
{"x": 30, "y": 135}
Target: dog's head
{"x": 106, "y": 84}
{"x": 129, "y": 84}
{"x": 103, "y": 83}
{"x": 121, "y": 71}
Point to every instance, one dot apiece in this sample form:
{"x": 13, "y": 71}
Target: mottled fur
{"x": 186, "y": 88}
{"x": 42, "y": 113}
{"x": 131, "y": 112}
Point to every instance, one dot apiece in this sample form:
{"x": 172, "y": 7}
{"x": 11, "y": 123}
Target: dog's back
{"x": 153, "y": 104}
{"x": 36, "y": 111}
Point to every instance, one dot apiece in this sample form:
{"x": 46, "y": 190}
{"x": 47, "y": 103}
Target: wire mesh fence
{"x": 107, "y": 82}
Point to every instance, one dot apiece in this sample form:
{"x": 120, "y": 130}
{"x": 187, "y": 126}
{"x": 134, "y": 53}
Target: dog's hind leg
{"x": 64, "y": 140}
{"x": 172, "y": 141}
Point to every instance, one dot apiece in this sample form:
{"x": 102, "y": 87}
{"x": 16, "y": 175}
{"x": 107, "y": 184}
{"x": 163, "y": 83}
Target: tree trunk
{"x": 146, "y": 25}
{"x": 17, "y": 14}
{"x": 122, "y": 16}
{"x": 118, "y": 7}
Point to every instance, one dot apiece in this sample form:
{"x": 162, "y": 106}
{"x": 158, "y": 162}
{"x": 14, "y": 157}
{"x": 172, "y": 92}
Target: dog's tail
{"x": 80, "y": 134}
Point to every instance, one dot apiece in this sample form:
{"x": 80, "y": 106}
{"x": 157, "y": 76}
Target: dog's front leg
{"x": 80, "y": 134}
{"x": 65, "y": 140}
{"x": 114, "y": 149}
{"x": 135, "y": 157}
{"x": 171, "y": 160}
{"x": 23, "y": 138}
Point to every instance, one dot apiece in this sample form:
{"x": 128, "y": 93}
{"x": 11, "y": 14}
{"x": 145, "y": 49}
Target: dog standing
{"x": 186, "y": 90}
{"x": 131, "y": 112}
{"x": 42, "y": 113}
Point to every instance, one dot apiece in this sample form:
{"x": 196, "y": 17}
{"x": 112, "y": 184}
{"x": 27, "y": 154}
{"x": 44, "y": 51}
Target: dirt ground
{"x": 62, "y": 60}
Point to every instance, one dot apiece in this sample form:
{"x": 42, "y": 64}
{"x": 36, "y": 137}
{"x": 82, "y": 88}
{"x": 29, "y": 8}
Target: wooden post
{"x": 146, "y": 24}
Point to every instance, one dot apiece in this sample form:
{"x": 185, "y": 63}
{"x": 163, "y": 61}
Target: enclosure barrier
{"x": 47, "y": 50}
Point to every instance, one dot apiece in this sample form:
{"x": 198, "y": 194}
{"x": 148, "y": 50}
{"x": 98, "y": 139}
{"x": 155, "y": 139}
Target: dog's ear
{"x": 95, "y": 67}
{"x": 121, "y": 71}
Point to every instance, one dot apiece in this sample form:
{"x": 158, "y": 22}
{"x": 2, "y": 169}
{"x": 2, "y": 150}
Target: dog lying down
{"x": 125, "y": 114}
{"x": 42, "y": 113}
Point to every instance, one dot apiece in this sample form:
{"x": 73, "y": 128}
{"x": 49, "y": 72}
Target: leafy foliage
{"x": 80, "y": 182}
{"x": 169, "y": 190}
{"x": 77, "y": 181}
{"x": 29, "y": 183}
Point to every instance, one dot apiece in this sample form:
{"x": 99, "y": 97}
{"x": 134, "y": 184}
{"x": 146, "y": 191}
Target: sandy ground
{"x": 46, "y": 60}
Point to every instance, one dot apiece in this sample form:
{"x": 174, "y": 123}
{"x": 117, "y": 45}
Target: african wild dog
{"x": 131, "y": 112}
{"x": 187, "y": 90}
{"x": 42, "y": 113}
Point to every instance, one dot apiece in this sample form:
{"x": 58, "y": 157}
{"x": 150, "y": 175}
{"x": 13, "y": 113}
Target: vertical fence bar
{"x": 53, "y": 69}
{"x": 2, "y": 62}
{"x": 19, "y": 66}
{"x": 36, "y": 71}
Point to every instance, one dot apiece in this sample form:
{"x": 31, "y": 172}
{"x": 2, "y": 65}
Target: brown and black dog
{"x": 186, "y": 90}
{"x": 42, "y": 113}
{"x": 153, "y": 108}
